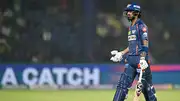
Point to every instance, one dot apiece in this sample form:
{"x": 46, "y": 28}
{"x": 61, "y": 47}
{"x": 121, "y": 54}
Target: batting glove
{"x": 118, "y": 56}
{"x": 143, "y": 63}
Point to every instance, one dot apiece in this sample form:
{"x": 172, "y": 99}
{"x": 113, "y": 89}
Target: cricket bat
{"x": 138, "y": 88}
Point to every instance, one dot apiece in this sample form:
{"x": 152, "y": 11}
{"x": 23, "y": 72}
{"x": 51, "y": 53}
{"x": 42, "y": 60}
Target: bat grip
{"x": 140, "y": 75}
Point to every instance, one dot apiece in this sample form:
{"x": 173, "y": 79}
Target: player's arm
{"x": 145, "y": 43}
{"x": 125, "y": 51}
{"x": 145, "y": 49}
{"x": 144, "y": 37}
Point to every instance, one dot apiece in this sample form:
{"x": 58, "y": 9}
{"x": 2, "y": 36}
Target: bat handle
{"x": 140, "y": 75}
{"x": 138, "y": 88}
{"x": 139, "y": 85}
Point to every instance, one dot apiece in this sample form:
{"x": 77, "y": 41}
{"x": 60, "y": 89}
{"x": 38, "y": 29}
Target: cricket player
{"x": 137, "y": 57}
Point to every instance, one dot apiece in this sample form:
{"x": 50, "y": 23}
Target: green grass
{"x": 77, "y": 95}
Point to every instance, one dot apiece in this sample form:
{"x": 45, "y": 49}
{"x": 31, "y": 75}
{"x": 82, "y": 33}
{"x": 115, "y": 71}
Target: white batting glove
{"x": 114, "y": 52}
{"x": 118, "y": 56}
{"x": 143, "y": 63}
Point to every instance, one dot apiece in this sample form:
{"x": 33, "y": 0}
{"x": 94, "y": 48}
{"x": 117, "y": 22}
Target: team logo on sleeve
{"x": 144, "y": 29}
{"x": 145, "y": 34}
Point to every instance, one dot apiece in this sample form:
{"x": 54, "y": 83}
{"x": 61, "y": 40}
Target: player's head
{"x": 132, "y": 11}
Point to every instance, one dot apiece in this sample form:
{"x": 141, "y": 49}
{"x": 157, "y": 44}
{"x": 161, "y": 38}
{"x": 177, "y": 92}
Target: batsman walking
{"x": 137, "y": 57}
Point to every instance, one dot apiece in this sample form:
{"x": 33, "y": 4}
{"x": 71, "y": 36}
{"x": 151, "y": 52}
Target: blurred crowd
{"x": 50, "y": 31}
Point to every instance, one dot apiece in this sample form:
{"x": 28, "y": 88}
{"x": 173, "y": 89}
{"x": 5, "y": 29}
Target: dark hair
{"x": 137, "y": 13}
{"x": 139, "y": 16}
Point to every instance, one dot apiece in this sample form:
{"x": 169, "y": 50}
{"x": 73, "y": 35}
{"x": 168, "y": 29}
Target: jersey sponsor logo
{"x": 133, "y": 31}
{"x": 131, "y": 37}
{"x": 144, "y": 29}
{"x": 129, "y": 33}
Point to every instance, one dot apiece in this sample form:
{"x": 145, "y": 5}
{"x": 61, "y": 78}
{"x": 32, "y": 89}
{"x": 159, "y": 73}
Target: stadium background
{"x": 66, "y": 44}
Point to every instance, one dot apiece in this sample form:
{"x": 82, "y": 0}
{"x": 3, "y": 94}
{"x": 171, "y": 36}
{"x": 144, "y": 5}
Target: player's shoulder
{"x": 142, "y": 25}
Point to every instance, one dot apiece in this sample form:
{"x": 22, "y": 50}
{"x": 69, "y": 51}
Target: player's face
{"x": 130, "y": 15}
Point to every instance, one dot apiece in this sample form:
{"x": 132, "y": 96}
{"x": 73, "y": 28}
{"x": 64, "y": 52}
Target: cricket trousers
{"x": 127, "y": 78}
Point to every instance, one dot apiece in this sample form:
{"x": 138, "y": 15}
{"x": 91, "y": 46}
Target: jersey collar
{"x": 137, "y": 21}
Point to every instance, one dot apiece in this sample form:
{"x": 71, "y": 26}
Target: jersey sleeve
{"x": 143, "y": 32}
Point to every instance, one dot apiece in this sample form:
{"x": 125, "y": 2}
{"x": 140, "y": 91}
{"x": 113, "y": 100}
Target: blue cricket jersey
{"x": 136, "y": 34}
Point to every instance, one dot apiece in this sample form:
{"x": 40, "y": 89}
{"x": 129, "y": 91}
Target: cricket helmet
{"x": 133, "y": 7}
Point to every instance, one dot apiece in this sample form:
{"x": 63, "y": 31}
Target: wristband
{"x": 142, "y": 58}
